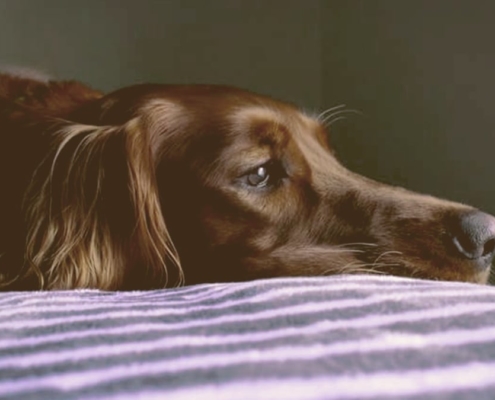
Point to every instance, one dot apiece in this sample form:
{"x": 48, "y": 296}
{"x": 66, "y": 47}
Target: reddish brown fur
{"x": 140, "y": 187}
{"x": 50, "y": 98}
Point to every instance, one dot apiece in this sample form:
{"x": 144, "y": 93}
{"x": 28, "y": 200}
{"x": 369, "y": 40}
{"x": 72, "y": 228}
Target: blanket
{"x": 339, "y": 337}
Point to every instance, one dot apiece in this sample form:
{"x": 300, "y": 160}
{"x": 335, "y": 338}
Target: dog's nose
{"x": 474, "y": 237}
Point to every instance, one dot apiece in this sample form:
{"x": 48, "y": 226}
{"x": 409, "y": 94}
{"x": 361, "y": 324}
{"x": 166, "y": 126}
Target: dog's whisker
{"x": 357, "y": 244}
{"x": 329, "y": 110}
{"x": 387, "y": 253}
{"x": 371, "y": 271}
{"x": 328, "y": 117}
{"x": 356, "y": 268}
{"x": 339, "y": 112}
{"x": 330, "y": 123}
{"x": 333, "y": 250}
{"x": 384, "y": 265}
{"x": 365, "y": 268}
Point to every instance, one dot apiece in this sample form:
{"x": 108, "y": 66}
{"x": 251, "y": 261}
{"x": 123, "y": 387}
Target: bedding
{"x": 338, "y": 337}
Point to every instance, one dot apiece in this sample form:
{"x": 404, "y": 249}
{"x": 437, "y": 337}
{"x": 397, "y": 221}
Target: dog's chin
{"x": 436, "y": 273}
{"x": 390, "y": 263}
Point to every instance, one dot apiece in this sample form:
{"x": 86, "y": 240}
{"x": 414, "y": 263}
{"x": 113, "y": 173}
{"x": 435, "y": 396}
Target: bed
{"x": 340, "y": 337}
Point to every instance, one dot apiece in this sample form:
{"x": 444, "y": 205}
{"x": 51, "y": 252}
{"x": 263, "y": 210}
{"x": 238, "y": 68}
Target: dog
{"x": 155, "y": 186}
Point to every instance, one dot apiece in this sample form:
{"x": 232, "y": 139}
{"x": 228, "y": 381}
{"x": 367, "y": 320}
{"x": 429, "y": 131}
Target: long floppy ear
{"x": 93, "y": 213}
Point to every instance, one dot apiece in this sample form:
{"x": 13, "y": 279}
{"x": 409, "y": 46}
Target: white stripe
{"x": 427, "y": 382}
{"x": 10, "y": 298}
{"x": 77, "y": 304}
{"x": 357, "y": 323}
{"x": 78, "y": 334}
{"x": 384, "y": 343}
{"x": 89, "y": 379}
{"x": 209, "y": 292}
{"x": 202, "y": 292}
{"x": 54, "y": 296}
{"x": 307, "y": 308}
{"x": 361, "y": 280}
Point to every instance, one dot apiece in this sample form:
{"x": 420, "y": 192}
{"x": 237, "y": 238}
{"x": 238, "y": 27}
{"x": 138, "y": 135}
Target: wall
{"x": 422, "y": 73}
{"x": 270, "y": 46}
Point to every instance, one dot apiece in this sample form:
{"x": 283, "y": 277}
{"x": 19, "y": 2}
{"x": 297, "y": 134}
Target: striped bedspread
{"x": 344, "y": 337}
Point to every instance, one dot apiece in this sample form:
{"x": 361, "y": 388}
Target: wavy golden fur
{"x": 71, "y": 221}
{"x": 76, "y": 235}
{"x": 156, "y": 185}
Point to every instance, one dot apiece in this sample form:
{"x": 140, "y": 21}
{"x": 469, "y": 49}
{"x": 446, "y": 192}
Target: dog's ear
{"x": 93, "y": 212}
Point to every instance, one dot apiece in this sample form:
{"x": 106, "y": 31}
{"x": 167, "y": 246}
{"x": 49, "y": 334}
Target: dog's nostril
{"x": 474, "y": 235}
{"x": 489, "y": 247}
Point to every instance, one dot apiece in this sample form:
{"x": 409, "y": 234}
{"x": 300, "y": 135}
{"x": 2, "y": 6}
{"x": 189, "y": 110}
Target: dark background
{"x": 420, "y": 71}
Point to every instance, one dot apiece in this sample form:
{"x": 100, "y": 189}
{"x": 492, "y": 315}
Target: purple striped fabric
{"x": 341, "y": 337}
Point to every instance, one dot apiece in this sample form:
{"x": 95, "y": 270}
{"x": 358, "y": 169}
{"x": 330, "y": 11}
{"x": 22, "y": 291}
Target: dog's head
{"x": 218, "y": 184}
{"x": 248, "y": 187}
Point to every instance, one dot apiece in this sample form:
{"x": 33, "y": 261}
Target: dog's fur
{"x": 157, "y": 185}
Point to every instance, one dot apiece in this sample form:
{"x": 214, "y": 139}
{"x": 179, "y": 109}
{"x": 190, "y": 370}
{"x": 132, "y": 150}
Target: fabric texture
{"x": 340, "y": 337}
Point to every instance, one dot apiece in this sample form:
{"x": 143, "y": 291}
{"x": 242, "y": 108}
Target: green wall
{"x": 270, "y": 46}
{"x": 422, "y": 72}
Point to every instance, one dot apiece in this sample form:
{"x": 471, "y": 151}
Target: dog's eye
{"x": 265, "y": 175}
{"x": 259, "y": 177}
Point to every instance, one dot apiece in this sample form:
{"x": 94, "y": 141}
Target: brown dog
{"x": 157, "y": 185}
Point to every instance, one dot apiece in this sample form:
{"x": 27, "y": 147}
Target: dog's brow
{"x": 165, "y": 114}
{"x": 165, "y": 118}
{"x": 244, "y": 117}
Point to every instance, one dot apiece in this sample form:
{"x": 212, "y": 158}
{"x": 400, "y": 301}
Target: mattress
{"x": 340, "y": 337}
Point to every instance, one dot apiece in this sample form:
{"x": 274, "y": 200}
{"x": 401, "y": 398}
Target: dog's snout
{"x": 474, "y": 236}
